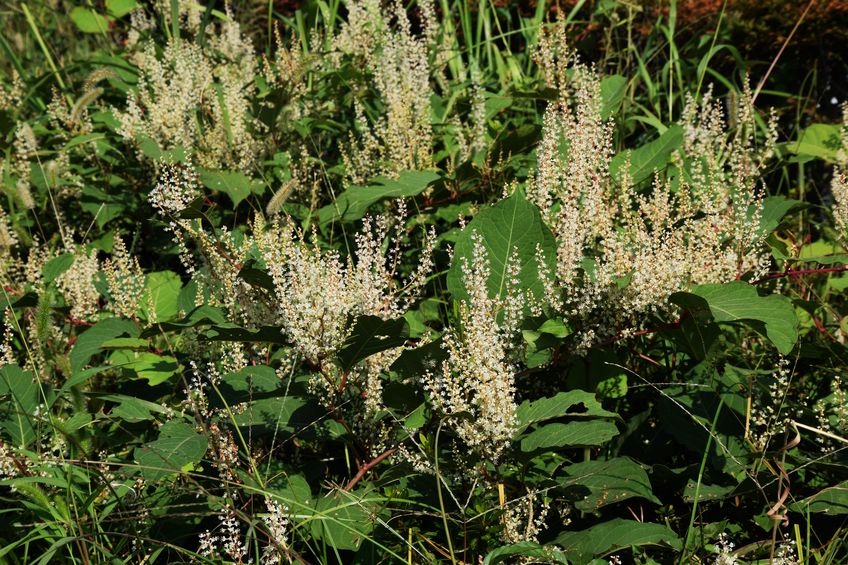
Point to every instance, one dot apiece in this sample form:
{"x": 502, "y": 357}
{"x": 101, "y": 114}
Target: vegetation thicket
{"x": 439, "y": 281}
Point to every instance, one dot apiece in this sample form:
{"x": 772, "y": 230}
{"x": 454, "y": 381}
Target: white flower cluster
{"x": 25, "y": 148}
{"x": 8, "y": 242}
{"x": 401, "y": 138}
{"x": 839, "y": 184}
{"x": 277, "y": 522}
{"x": 11, "y": 95}
{"x": 317, "y": 292}
{"x": 768, "y": 418}
{"x": 725, "y": 549}
{"x": 228, "y": 542}
{"x": 125, "y": 279}
{"x": 832, "y": 412}
{"x": 477, "y": 381}
{"x": 523, "y": 520}
{"x": 176, "y": 188}
{"x": 197, "y": 97}
{"x": 77, "y": 285}
{"x": 620, "y": 247}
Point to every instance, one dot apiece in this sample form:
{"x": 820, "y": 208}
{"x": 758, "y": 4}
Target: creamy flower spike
{"x": 478, "y": 378}
{"x": 196, "y": 97}
{"x": 701, "y": 227}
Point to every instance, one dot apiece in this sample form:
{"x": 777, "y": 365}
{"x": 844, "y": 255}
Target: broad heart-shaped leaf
{"x": 772, "y": 212}
{"x": 129, "y": 408}
{"x": 370, "y": 335}
{"x": 599, "y": 540}
{"x": 607, "y": 482}
{"x": 573, "y": 434}
{"x": 613, "y": 88}
{"x": 202, "y": 315}
{"x": 353, "y": 203}
{"x": 653, "y": 156}
{"x": 343, "y": 520}
{"x": 19, "y": 396}
{"x": 90, "y": 341}
{"x": 89, "y": 21}
{"x": 55, "y": 267}
{"x": 256, "y": 277}
{"x": 155, "y": 368}
{"x": 773, "y": 315}
{"x": 163, "y": 289}
{"x": 178, "y": 448}
{"x": 234, "y": 184}
{"x": 118, "y": 8}
{"x": 831, "y": 500}
{"x": 574, "y": 403}
{"x": 513, "y": 224}
{"x": 285, "y": 414}
{"x": 542, "y": 553}
{"x": 250, "y": 383}
{"x": 819, "y": 140}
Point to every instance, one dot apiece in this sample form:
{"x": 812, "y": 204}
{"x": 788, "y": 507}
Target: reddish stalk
{"x": 791, "y": 273}
{"x": 367, "y": 467}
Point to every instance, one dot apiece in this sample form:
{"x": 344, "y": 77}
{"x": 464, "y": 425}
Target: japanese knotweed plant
{"x": 403, "y": 68}
{"x": 475, "y": 385}
{"x": 317, "y": 293}
{"x": 839, "y": 184}
{"x": 195, "y": 94}
{"x": 622, "y": 250}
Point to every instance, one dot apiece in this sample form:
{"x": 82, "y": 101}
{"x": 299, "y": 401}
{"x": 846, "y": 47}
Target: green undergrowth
{"x": 454, "y": 282}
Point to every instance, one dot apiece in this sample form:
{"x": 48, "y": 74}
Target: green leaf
{"x": 511, "y": 224}
{"x": 289, "y": 414}
{"x": 607, "y": 482}
{"x": 413, "y": 362}
{"x": 832, "y": 500}
{"x": 574, "y": 403}
{"x": 572, "y": 434}
{"x": 120, "y": 8}
{"x": 91, "y": 341}
{"x": 772, "y": 316}
{"x": 256, "y": 277}
{"x": 234, "y": 184}
{"x": 652, "y": 156}
{"x": 543, "y": 553}
{"x": 250, "y": 383}
{"x": 602, "y": 539}
{"x": 163, "y": 288}
{"x": 556, "y": 328}
{"x": 344, "y": 520}
{"x": 178, "y": 448}
{"x": 89, "y": 21}
{"x": 149, "y": 148}
{"x": 131, "y": 409}
{"x": 696, "y": 337}
{"x": 155, "y": 368}
{"x": 353, "y": 203}
{"x": 613, "y": 88}
{"x": 370, "y": 335}
{"x": 19, "y": 397}
{"x": 819, "y": 140}
{"x": 102, "y": 206}
{"x": 293, "y": 491}
{"x": 232, "y": 332}
{"x": 134, "y": 343}
{"x": 55, "y": 267}
{"x": 773, "y": 211}
{"x": 202, "y": 315}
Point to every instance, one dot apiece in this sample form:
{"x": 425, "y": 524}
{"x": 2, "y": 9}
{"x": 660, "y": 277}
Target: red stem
{"x": 367, "y": 467}
{"x": 791, "y": 273}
